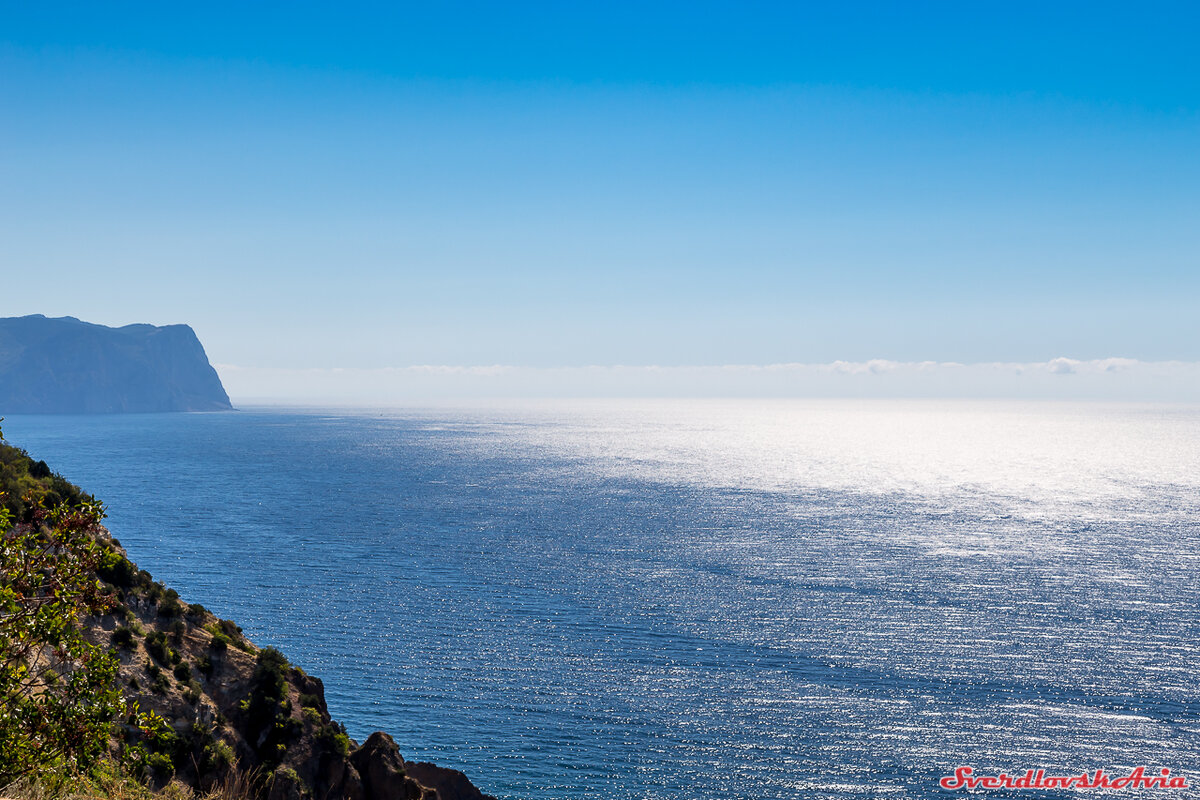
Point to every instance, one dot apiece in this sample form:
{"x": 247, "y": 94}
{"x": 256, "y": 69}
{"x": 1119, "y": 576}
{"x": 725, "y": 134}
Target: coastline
{"x": 230, "y": 708}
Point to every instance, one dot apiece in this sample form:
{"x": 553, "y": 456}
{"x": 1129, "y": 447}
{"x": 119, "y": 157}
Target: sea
{"x": 695, "y": 599}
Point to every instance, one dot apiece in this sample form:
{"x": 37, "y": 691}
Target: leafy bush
{"x": 57, "y": 691}
{"x": 117, "y": 570}
{"x": 332, "y": 740}
{"x": 59, "y": 696}
{"x": 159, "y": 682}
{"x": 217, "y": 756}
{"x": 123, "y": 638}
{"x": 156, "y": 645}
{"x": 204, "y": 665}
{"x": 268, "y": 711}
{"x": 183, "y": 673}
{"x": 154, "y": 589}
{"x": 170, "y": 608}
{"x": 161, "y": 765}
{"x": 26, "y": 485}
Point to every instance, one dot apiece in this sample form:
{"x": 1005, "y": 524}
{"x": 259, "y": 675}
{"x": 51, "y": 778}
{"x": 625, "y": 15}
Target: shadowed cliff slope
{"x": 66, "y": 366}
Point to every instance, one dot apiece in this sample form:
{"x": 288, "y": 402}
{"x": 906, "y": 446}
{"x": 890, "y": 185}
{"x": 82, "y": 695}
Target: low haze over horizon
{"x": 621, "y": 187}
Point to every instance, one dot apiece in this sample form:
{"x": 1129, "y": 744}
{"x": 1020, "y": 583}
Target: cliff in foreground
{"x": 232, "y": 705}
{"x": 229, "y": 710}
{"x": 66, "y": 366}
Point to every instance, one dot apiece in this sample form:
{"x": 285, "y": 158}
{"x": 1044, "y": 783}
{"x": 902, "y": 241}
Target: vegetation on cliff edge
{"x": 58, "y": 697}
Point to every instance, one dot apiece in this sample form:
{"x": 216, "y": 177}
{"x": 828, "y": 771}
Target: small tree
{"x": 58, "y": 692}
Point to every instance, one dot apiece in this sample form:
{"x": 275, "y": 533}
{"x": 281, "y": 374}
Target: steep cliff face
{"x": 234, "y": 706}
{"x": 65, "y": 366}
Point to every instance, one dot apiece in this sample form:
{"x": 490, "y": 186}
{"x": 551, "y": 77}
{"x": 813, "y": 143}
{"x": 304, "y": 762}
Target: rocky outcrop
{"x": 234, "y": 707}
{"x": 449, "y": 784}
{"x": 381, "y": 769}
{"x": 66, "y": 366}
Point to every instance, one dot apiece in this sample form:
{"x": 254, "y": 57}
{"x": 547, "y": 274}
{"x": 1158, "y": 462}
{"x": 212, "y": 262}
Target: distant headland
{"x": 66, "y": 366}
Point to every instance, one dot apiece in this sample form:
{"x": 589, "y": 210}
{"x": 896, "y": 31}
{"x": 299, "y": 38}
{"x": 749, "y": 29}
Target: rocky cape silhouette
{"x": 66, "y": 366}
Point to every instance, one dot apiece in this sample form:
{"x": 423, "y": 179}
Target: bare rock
{"x": 450, "y": 784}
{"x": 381, "y": 769}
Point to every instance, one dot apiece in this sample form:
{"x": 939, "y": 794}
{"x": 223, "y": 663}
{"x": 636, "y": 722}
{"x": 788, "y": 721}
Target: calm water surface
{"x": 694, "y": 599}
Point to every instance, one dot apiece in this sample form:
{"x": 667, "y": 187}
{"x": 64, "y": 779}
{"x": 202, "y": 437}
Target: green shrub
{"x": 217, "y": 756}
{"x": 204, "y": 665}
{"x": 332, "y": 739}
{"x": 160, "y": 765}
{"x": 156, "y": 645}
{"x": 123, "y": 638}
{"x": 268, "y": 711}
{"x": 183, "y": 673}
{"x": 26, "y": 485}
{"x": 170, "y": 608}
{"x": 117, "y": 570}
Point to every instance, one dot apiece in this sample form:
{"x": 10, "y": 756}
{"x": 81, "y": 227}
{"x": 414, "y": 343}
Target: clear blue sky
{"x": 353, "y": 185}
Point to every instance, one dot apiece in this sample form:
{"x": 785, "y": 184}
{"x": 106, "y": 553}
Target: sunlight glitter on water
{"x": 701, "y": 599}
{"x": 1081, "y": 457}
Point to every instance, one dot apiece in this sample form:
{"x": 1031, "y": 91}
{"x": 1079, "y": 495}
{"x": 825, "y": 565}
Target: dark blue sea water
{"x": 694, "y": 600}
